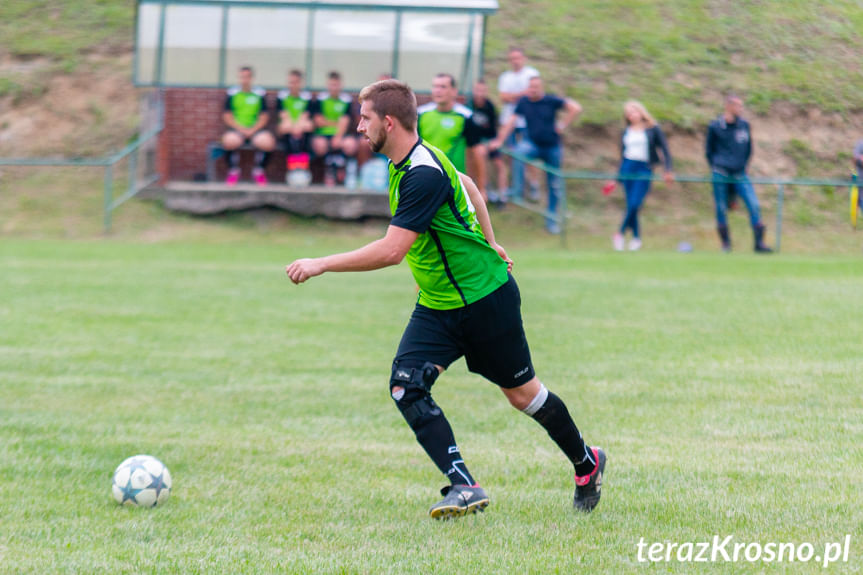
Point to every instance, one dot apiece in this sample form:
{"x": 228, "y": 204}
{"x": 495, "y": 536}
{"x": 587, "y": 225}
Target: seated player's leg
{"x": 297, "y": 149}
{"x": 350, "y": 147}
{"x": 334, "y": 161}
{"x": 498, "y": 351}
{"x": 320, "y": 148}
{"x": 231, "y": 140}
{"x": 264, "y": 143}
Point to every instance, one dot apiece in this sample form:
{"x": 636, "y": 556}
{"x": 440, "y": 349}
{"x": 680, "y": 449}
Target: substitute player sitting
{"x": 468, "y": 304}
{"x": 295, "y": 124}
{"x": 246, "y": 115}
{"x": 331, "y": 115}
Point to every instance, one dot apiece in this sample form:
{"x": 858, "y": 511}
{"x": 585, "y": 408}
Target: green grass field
{"x": 726, "y": 391}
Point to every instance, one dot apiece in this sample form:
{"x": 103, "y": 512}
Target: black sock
{"x": 555, "y": 418}
{"x": 231, "y": 158}
{"x": 436, "y": 437}
{"x": 261, "y": 159}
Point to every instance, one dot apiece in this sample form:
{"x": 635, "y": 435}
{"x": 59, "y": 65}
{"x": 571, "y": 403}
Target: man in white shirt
{"x": 512, "y": 85}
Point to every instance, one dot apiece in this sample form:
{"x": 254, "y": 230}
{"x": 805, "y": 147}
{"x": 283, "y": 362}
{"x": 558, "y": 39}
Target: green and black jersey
{"x": 295, "y": 106}
{"x": 452, "y": 132}
{"x": 246, "y": 106}
{"x": 451, "y": 260}
{"x": 331, "y": 109}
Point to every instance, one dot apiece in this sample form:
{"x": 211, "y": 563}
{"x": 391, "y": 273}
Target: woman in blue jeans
{"x": 640, "y": 144}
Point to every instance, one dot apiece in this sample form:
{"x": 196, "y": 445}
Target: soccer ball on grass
{"x": 141, "y": 481}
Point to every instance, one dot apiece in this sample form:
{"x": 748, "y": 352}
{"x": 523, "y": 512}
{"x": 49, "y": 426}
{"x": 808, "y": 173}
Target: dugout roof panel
{"x": 203, "y": 43}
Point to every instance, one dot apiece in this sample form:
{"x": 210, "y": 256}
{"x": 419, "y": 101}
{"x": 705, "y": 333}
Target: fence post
{"x": 779, "y": 201}
{"x": 562, "y": 209}
{"x": 109, "y": 196}
{"x": 133, "y": 172}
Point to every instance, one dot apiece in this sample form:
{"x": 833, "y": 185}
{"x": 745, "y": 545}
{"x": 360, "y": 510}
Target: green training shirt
{"x": 452, "y": 132}
{"x": 331, "y": 109}
{"x": 451, "y": 260}
{"x": 294, "y": 105}
{"x": 246, "y": 106}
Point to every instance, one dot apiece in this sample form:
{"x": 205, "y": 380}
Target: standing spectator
{"x": 640, "y": 144}
{"x": 512, "y": 87}
{"x": 446, "y": 124}
{"x": 728, "y": 149}
{"x": 539, "y": 110}
{"x": 246, "y": 115}
{"x": 332, "y": 118}
{"x": 485, "y": 119}
{"x": 858, "y": 157}
{"x": 295, "y": 123}
{"x": 857, "y": 168}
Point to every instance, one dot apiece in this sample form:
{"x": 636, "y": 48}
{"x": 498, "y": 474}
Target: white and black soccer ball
{"x": 141, "y": 481}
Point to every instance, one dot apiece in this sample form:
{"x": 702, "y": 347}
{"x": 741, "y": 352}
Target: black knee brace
{"x": 414, "y": 400}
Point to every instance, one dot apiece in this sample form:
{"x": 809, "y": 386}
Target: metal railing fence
{"x": 562, "y": 214}
{"x": 140, "y": 174}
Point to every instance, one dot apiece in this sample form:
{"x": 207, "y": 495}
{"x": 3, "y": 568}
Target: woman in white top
{"x": 640, "y": 144}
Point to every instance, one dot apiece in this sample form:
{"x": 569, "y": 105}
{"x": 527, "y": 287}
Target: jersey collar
{"x": 404, "y": 160}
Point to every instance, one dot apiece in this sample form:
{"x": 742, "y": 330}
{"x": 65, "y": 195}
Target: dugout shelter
{"x": 190, "y": 50}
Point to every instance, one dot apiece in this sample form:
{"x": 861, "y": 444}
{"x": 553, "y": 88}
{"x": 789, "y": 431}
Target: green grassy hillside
{"x": 677, "y": 54}
{"x": 680, "y": 55}
{"x": 63, "y": 32}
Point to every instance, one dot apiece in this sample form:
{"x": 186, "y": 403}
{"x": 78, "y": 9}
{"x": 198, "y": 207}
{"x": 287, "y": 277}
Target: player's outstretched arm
{"x": 483, "y": 217}
{"x": 390, "y": 250}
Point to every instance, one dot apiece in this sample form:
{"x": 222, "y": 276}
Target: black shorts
{"x": 489, "y": 334}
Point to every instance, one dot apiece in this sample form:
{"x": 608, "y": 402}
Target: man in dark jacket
{"x": 728, "y": 150}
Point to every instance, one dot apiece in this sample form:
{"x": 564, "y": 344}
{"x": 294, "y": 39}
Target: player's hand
{"x": 668, "y": 177}
{"x": 502, "y": 253}
{"x": 301, "y": 270}
{"x": 494, "y": 145}
{"x": 336, "y": 142}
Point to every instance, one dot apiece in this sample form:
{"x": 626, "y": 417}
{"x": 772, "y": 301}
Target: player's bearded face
{"x": 377, "y": 138}
{"x": 372, "y": 127}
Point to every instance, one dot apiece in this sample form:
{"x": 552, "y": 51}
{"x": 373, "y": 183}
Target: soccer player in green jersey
{"x": 447, "y": 125}
{"x": 468, "y": 304}
{"x": 246, "y": 115}
{"x": 295, "y": 123}
{"x": 332, "y": 142}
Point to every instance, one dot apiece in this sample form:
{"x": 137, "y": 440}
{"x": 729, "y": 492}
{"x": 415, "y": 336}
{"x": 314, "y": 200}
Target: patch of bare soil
{"x": 90, "y": 112}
